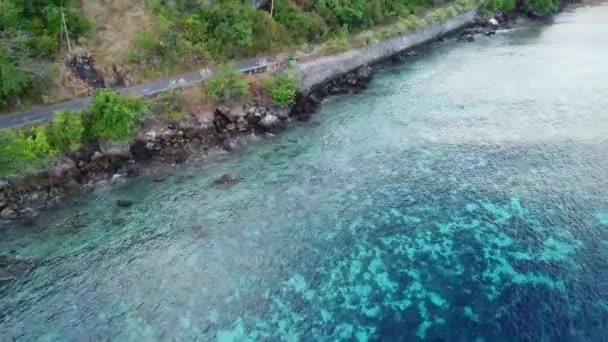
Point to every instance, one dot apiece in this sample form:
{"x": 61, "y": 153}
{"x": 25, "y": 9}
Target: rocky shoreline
{"x": 172, "y": 144}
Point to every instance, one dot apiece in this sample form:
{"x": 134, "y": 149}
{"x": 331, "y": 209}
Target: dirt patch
{"x": 117, "y": 23}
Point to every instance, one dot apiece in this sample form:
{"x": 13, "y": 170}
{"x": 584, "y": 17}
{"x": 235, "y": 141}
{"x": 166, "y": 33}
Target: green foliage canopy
{"x": 227, "y": 85}
{"x": 282, "y": 89}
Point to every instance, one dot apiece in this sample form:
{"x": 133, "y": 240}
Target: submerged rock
{"x": 123, "y": 203}
{"x": 226, "y": 180}
{"x": 8, "y": 214}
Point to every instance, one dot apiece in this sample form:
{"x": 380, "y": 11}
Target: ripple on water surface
{"x": 462, "y": 197}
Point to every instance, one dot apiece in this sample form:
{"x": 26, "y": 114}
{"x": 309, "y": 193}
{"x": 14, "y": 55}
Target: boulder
{"x": 62, "y": 170}
{"x": 123, "y": 203}
{"x": 28, "y": 213}
{"x": 8, "y": 214}
{"x": 225, "y": 180}
{"x": 270, "y": 121}
{"x": 282, "y": 112}
{"x": 493, "y": 22}
{"x": 114, "y": 149}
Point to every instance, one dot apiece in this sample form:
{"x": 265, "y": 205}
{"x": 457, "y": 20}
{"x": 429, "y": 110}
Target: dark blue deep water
{"x": 462, "y": 197}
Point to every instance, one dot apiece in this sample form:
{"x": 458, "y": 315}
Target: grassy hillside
{"x": 139, "y": 39}
{"x": 119, "y": 42}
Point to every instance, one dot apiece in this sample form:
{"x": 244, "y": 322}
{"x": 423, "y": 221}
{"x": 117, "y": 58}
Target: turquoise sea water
{"x": 462, "y": 197}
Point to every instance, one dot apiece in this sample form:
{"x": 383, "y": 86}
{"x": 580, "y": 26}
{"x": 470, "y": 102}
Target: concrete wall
{"x": 322, "y": 70}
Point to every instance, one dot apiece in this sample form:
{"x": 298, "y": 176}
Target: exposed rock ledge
{"x": 343, "y": 73}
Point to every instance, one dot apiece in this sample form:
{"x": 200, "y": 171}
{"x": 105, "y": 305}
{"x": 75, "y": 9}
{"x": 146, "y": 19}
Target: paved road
{"x": 40, "y": 114}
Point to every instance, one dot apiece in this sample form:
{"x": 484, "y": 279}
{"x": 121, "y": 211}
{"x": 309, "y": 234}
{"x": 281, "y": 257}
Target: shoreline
{"x": 229, "y": 126}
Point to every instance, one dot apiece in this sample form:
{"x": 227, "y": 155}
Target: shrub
{"x": 113, "y": 116}
{"x": 438, "y": 15}
{"x": 227, "y": 85}
{"x": 541, "y": 7}
{"x": 412, "y": 22}
{"x": 29, "y": 148}
{"x": 302, "y": 26}
{"x": 498, "y": 5}
{"x": 66, "y": 132}
{"x": 37, "y": 143}
{"x": 452, "y": 12}
{"x": 464, "y": 5}
{"x": 370, "y": 38}
{"x": 13, "y": 80}
{"x": 13, "y": 153}
{"x": 282, "y": 89}
{"x": 338, "y": 44}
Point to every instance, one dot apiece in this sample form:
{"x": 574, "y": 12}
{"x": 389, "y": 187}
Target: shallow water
{"x": 463, "y": 196}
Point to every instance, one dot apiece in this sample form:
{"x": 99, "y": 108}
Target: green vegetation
{"x": 283, "y": 88}
{"x": 337, "y": 44}
{"x": 370, "y": 38}
{"x": 165, "y": 105}
{"x": 113, "y": 117}
{"x": 541, "y": 7}
{"x": 20, "y": 151}
{"x": 227, "y": 85}
{"x": 438, "y": 15}
{"x": 66, "y": 132}
{"x": 464, "y": 5}
{"x": 110, "y": 117}
{"x": 193, "y": 32}
{"x": 535, "y": 7}
{"x": 30, "y": 31}
{"x": 498, "y": 5}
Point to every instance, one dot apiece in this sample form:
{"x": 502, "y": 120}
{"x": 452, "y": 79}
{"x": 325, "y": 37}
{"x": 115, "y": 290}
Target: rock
{"x": 225, "y": 180}
{"x": 221, "y": 119}
{"x": 282, "y": 113}
{"x": 470, "y": 38}
{"x": 242, "y": 124}
{"x": 493, "y": 22}
{"x": 270, "y": 121}
{"x": 8, "y": 214}
{"x": 64, "y": 169}
{"x": 160, "y": 176}
{"x": 123, "y": 203}
{"x": 113, "y": 149}
{"x": 29, "y": 213}
{"x": 141, "y": 150}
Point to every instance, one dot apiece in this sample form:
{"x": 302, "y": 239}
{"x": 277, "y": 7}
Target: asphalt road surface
{"x": 41, "y": 114}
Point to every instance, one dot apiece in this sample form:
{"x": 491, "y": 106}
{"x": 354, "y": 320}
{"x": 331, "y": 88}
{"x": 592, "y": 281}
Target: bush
{"x": 282, "y": 89}
{"x": 13, "y": 157}
{"x": 451, "y": 12}
{"x": 370, "y": 38}
{"x": 227, "y": 85}
{"x": 464, "y": 5}
{"x": 338, "y": 44}
{"x": 541, "y": 7}
{"x": 498, "y": 5}
{"x": 29, "y": 148}
{"x": 412, "y": 22}
{"x": 38, "y": 143}
{"x": 302, "y": 26}
{"x": 13, "y": 80}
{"x": 66, "y": 132}
{"x": 113, "y": 117}
{"x": 438, "y": 15}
